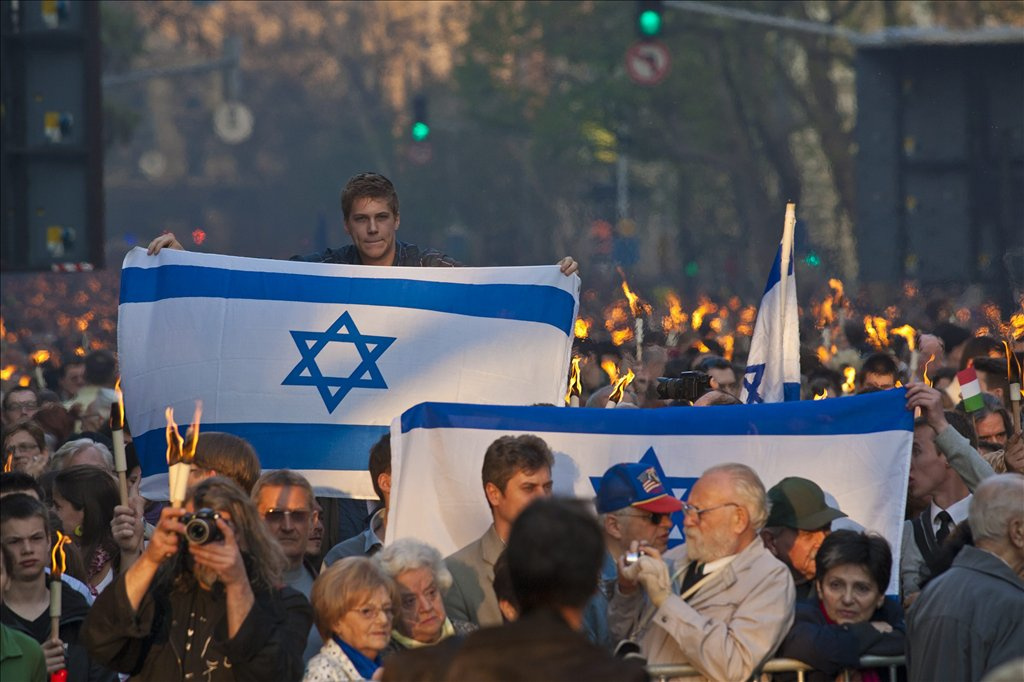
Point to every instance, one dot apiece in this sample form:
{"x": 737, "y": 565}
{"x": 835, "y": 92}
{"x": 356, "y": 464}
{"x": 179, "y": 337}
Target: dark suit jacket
{"x": 538, "y": 647}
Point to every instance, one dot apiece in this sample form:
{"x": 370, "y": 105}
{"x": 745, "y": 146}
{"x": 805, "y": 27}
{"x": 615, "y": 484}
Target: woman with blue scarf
{"x": 355, "y": 605}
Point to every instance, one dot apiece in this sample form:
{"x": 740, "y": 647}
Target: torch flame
{"x": 908, "y": 333}
{"x": 611, "y": 369}
{"x": 837, "y": 288}
{"x": 7, "y": 372}
{"x": 620, "y": 387}
{"x": 193, "y": 433}
{"x": 677, "y": 317}
{"x": 1011, "y": 361}
{"x": 823, "y": 355}
{"x": 9, "y": 463}
{"x": 119, "y": 424}
{"x": 924, "y": 374}
{"x": 174, "y": 439}
{"x": 176, "y": 447}
{"x": 636, "y": 306}
{"x": 876, "y": 331}
{"x": 822, "y": 395}
{"x": 850, "y": 373}
{"x": 621, "y": 336}
{"x": 1017, "y": 326}
{"x": 575, "y": 385}
{"x": 57, "y": 569}
{"x": 697, "y": 318}
{"x": 582, "y": 328}
{"x": 40, "y": 356}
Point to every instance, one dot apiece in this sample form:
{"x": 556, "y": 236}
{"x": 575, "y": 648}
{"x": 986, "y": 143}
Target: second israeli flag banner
{"x": 857, "y": 449}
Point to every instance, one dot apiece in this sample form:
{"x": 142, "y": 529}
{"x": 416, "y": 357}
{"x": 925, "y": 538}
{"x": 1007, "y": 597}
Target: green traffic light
{"x": 420, "y": 131}
{"x": 650, "y": 23}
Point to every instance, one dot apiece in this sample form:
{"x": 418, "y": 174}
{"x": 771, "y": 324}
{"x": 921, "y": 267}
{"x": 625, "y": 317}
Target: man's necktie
{"x": 693, "y": 575}
{"x": 945, "y": 526}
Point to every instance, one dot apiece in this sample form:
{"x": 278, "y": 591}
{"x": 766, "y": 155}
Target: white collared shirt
{"x": 957, "y": 510}
{"x": 712, "y": 566}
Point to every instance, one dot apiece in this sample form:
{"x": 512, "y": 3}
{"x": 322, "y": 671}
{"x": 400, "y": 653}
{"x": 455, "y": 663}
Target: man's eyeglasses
{"x": 23, "y": 406}
{"x": 21, "y": 448}
{"x": 277, "y": 516}
{"x": 698, "y": 512}
{"x": 655, "y": 518}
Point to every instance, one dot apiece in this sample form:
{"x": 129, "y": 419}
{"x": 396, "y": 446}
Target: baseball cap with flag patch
{"x": 634, "y": 485}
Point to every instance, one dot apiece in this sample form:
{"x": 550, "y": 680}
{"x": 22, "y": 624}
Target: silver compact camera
{"x": 633, "y": 557}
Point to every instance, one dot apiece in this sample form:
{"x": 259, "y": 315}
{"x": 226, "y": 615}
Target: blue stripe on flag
{"x": 775, "y": 276}
{"x": 281, "y": 446}
{"x": 790, "y": 391}
{"x": 869, "y": 413}
{"x": 524, "y": 302}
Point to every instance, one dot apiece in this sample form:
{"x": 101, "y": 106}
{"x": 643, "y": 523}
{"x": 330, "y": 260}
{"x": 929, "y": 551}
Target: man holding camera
{"x": 634, "y": 508}
{"x": 210, "y": 608}
{"x": 722, "y": 603}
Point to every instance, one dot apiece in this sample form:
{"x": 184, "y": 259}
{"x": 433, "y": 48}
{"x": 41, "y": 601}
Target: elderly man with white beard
{"x": 721, "y": 602}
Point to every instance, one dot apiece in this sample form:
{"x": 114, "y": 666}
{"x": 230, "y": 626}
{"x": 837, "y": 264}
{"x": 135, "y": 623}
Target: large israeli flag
{"x": 857, "y": 449}
{"x": 773, "y": 364}
{"x": 310, "y": 362}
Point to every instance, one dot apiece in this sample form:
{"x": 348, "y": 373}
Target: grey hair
{"x": 59, "y": 459}
{"x": 995, "y": 504}
{"x": 409, "y": 554}
{"x": 749, "y": 489}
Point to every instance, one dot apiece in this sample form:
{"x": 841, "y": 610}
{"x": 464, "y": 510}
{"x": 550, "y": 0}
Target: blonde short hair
{"x": 343, "y": 586}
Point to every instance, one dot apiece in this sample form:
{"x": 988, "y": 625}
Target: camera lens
{"x": 197, "y": 531}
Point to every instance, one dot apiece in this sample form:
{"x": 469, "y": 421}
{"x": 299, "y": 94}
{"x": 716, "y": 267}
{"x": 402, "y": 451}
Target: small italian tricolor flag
{"x": 970, "y": 390}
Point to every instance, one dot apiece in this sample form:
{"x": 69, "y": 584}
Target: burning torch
{"x": 117, "y": 435}
{"x": 180, "y": 454}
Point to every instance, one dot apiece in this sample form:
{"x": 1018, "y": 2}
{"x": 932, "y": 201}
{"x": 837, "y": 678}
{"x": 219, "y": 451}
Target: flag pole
{"x": 785, "y": 257}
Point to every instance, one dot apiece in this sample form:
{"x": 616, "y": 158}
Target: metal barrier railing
{"x": 780, "y": 665}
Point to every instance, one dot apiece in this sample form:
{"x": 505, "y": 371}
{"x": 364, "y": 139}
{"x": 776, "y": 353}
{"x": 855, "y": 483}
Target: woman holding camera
{"x": 209, "y": 607}
{"x": 850, "y": 617}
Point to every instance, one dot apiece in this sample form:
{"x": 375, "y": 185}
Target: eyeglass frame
{"x": 699, "y": 513}
{"x": 369, "y": 613}
{"x": 34, "y": 405}
{"x": 22, "y": 448}
{"x": 654, "y": 518}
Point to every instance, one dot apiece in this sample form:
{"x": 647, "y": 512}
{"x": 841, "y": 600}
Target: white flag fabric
{"x": 773, "y": 364}
{"x": 857, "y": 449}
{"x": 310, "y": 362}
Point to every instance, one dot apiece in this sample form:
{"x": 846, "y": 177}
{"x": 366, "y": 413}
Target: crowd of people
{"x": 253, "y": 577}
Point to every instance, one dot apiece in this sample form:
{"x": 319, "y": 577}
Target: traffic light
{"x": 420, "y": 127}
{"x": 648, "y": 18}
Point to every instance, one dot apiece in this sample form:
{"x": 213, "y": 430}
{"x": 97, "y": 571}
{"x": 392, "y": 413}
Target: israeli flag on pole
{"x": 857, "y": 449}
{"x": 773, "y": 364}
{"x": 310, "y": 362}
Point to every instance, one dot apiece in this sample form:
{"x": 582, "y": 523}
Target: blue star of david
{"x": 365, "y": 375}
{"x": 754, "y": 385}
{"x": 677, "y": 486}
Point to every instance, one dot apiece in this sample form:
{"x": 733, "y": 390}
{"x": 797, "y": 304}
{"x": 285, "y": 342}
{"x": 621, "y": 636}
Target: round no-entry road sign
{"x": 647, "y": 62}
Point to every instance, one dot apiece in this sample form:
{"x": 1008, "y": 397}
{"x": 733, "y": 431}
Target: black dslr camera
{"x": 201, "y": 527}
{"x": 687, "y": 386}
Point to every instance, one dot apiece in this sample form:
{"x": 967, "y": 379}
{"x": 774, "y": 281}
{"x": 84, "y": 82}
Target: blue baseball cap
{"x": 634, "y": 485}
